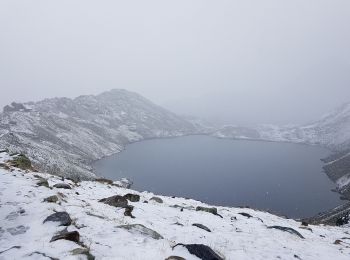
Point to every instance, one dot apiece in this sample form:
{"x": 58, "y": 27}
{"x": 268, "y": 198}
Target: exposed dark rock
{"x": 128, "y": 211}
{"x": 201, "y": 251}
{"x": 245, "y": 215}
{"x": 287, "y": 229}
{"x": 115, "y": 201}
{"x": 132, "y": 197}
{"x": 173, "y": 257}
{"x": 51, "y": 199}
{"x": 343, "y": 220}
{"x": 201, "y": 226}
{"x": 62, "y": 186}
{"x": 62, "y": 217}
{"x": 65, "y": 235}
{"x": 141, "y": 229}
{"x": 157, "y": 199}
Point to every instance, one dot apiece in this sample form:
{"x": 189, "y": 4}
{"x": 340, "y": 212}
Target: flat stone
{"x": 141, "y": 229}
{"x": 115, "y": 201}
{"x": 51, "y": 199}
{"x": 62, "y": 217}
{"x": 62, "y": 186}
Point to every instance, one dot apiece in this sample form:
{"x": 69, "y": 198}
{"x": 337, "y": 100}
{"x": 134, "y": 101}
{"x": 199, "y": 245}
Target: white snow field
{"x": 23, "y": 235}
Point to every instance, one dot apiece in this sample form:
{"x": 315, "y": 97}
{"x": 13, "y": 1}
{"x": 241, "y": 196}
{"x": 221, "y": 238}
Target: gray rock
{"x": 17, "y": 230}
{"x": 157, "y": 199}
{"x": 115, "y": 201}
{"x": 201, "y": 251}
{"x": 141, "y": 229}
{"x": 65, "y": 235}
{"x": 62, "y": 217}
{"x": 201, "y": 226}
{"x": 209, "y": 210}
{"x": 132, "y": 197}
{"x": 128, "y": 211}
{"x": 51, "y": 199}
{"x": 43, "y": 182}
{"x": 83, "y": 251}
{"x": 62, "y": 186}
{"x": 287, "y": 229}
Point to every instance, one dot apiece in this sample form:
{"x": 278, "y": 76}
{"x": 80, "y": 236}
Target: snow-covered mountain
{"x": 45, "y": 217}
{"x": 63, "y": 136}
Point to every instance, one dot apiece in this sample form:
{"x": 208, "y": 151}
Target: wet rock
{"x": 51, "y": 199}
{"x": 83, "y": 251}
{"x": 287, "y": 229}
{"x": 128, "y": 211}
{"x": 141, "y": 229}
{"x": 132, "y": 197}
{"x": 209, "y": 210}
{"x": 157, "y": 199}
{"x": 115, "y": 201}
{"x": 62, "y": 217}
{"x": 62, "y": 186}
{"x": 173, "y": 257}
{"x": 65, "y": 235}
{"x": 201, "y": 226}
{"x": 201, "y": 251}
{"x": 43, "y": 182}
{"x": 17, "y": 230}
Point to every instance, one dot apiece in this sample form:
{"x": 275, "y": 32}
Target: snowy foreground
{"x": 23, "y": 235}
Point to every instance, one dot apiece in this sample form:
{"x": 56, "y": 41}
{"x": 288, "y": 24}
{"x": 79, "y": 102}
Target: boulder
{"x": 157, "y": 199}
{"x": 201, "y": 251}
{"x": 62, "y": 217}
{"x": 43, "y": 182}
{"x": 141, "y": 229}
{"x": 209, "y": 210}
{"x": 115, "y": 201}
{"x": 132, "y": 197}
{"x": 62, "y": 186}
{"x": 173, "y": 257}
{"x": 51, "y": 199}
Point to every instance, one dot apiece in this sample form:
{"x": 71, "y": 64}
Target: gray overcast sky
{"x": 241, "y": 62}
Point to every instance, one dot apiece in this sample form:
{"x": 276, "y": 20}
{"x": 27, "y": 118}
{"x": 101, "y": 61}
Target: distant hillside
{"x": 63, "y": 136}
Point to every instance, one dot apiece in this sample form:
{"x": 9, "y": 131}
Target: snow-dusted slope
{"x": 63, "y": 135}
{"x": 236, "y": 235}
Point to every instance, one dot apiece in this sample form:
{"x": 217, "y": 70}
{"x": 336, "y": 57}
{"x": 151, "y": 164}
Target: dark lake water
{"x": 280, "y": 177}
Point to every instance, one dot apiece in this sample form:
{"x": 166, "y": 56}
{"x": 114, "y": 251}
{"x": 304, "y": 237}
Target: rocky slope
{"x": 45, "y": 217}
{"x": 63, "y": 136}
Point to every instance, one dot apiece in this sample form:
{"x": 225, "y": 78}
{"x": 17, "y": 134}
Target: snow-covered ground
{"x": 23, "y": 235}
